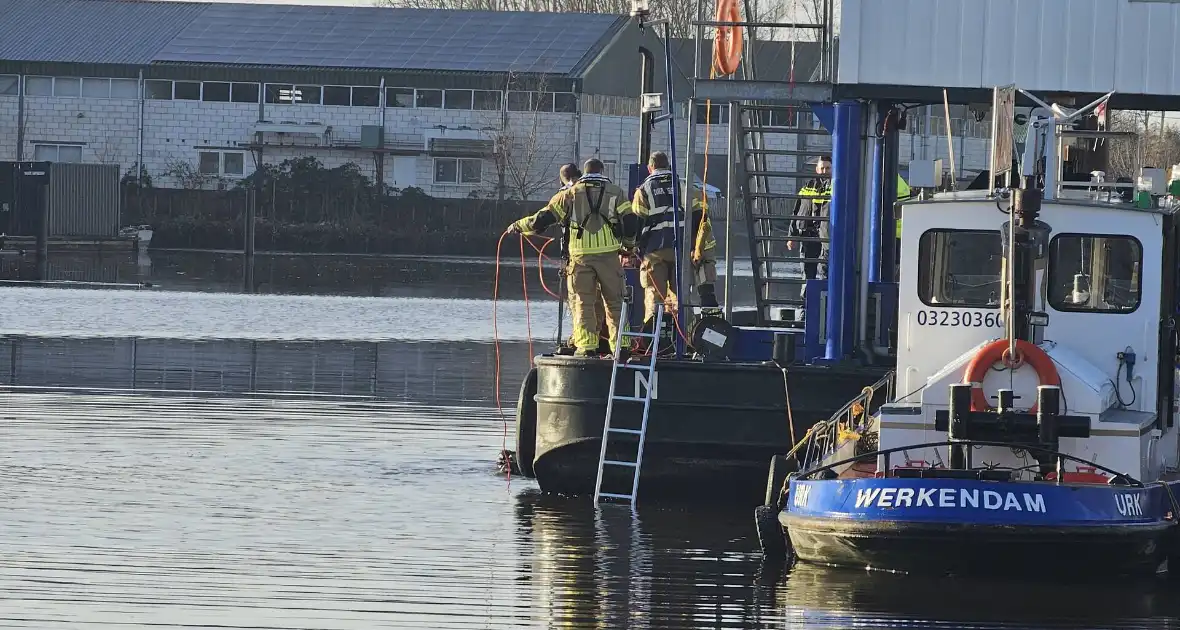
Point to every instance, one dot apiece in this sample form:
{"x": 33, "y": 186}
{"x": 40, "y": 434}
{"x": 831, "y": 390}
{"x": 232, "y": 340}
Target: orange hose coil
{"x": 727, "y": 43}
{"x": 996, "y": 352}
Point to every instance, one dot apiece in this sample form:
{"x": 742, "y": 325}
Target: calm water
{"x": 137, "y": 512}
{"x": 121, "y": 511}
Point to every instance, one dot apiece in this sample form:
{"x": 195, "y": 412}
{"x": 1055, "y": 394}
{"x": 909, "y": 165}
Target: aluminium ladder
{"x": 770, "y": 208}
{"x": 647, "y": 386}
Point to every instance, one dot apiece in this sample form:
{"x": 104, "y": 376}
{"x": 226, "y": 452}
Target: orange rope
{"x": 496, "y": 346}
{"x": 540, "y": 267}
{"x": 524, "y": 283}
{"x": 675, "y": 320}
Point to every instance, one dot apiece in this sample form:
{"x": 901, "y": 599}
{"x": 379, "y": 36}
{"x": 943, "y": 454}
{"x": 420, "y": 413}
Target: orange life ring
{"x": 997, "y": 351}
{"x": 727, "y": 43}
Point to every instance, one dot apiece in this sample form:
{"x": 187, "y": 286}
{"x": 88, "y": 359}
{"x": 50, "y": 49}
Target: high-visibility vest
{"x": 653, "y": 199}
{"x": 593, "y": 208}
{"x": 903, "y": 193}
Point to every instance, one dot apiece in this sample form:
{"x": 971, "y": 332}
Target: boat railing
{"x": 851, "y": 422}
{"x": 828, "y": 470}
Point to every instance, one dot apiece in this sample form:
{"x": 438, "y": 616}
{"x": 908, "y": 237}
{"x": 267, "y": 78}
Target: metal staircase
{"x": 775, "y": 161}
{"x": 644, "y": 389}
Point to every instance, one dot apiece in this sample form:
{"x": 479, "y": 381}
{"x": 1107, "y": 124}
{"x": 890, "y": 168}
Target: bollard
{"x": 957, "y": 426}
{"x": 1007, "y": 401}
{"x": 1048, "y": 410}
{"x": 783, "y": 351}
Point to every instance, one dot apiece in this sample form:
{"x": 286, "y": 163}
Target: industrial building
{"x": 456, "y": 103}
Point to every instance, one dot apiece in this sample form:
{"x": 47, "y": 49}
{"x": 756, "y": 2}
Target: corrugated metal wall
{"x": 84, "y": 200}
{"x": 1129, "y": 46}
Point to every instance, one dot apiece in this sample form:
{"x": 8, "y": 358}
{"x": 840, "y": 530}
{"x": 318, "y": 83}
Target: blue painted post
{"x": 854, "y": 138}
{"x": 889, "y": 169}
{"x": 675, "y": 187}
{"x": 836, "y": 234}
{"x": 842, "y": 227}
{"x": 875, "y": 213}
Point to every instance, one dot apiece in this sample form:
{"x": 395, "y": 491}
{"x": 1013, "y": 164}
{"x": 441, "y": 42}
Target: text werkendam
{"x": 950, "y": 498}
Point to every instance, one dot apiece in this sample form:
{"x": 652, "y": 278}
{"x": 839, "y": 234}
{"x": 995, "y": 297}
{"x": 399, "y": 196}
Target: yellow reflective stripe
{"x": 624, "y": 207}
{"x": 808, "y": 191}
{"x": 600, "y": 242}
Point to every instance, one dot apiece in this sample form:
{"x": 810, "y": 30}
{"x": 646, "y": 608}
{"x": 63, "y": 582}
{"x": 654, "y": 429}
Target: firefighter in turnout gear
{"x": 597, "y": 217}
{"x": 568, "y": 175}
{"x": 817, "y": 194}
{"x": 657, "y": 272}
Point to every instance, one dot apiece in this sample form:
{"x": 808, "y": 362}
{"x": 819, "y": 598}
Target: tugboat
{"x": 1037, "y": 356}
{"x": 736, "y": 389}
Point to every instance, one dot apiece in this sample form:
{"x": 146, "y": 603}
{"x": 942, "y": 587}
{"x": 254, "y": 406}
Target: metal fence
{"x": 450, "y": 373}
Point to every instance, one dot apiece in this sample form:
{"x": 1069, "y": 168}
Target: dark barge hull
{"x": 981, "y": 549}
{"x": 712, "y": 430}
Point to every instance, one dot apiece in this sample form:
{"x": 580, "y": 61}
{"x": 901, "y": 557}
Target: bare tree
{"x": 107, "y": 151}
{"x": 1156, "y": 145}
{"x": 185, "y": 175}
{"x": 526, "y": 160}
{"x": 680, "y": 13}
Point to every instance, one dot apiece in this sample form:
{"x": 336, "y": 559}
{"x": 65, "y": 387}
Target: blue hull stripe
{"x": 978, "y": 502}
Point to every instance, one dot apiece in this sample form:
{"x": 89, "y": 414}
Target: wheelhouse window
{"x": 960, "y": 268}
{"x": 1095, "y": 273}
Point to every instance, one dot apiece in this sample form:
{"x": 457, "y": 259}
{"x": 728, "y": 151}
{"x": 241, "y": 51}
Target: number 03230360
{"x": 956, "y": 317}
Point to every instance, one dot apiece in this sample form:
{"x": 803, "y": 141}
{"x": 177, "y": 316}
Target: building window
{"x": 9, "y": 85}
{"x": 96, "y": 88}
{"x": 364, "y": 96}
{"x": 565, "y": 102}
{"x": 244, "y": 92}
{"x": 304, "y": 94}
{"x": 215, "y": 92}
{"x": 458, "y": 171}
{"x": 310, "y": 94}
{"x": 960, "y": 268}
{"x": 610, "y": 168}
{"x": 57, "y": 152}
{"x": 124, "y": 88}
{"x": 272, "y": 92}
{"x": 1095, "y": 273}
{"x": 487, "y": 100}
{"x": 520, "y": 101}
{"x": 233, "y": 163}
{"x": 399, "y": 97}
{"x": 157, "y": 89}
{"x": 337, "y": 95}
{"x": 714, "y": 115}
{"x": 428, "y": 98}
{"x": 458, "y": 99}
{"x": 540, "y": 102}
{"x": 39, "y": 86}
{"x": 222, "y": 163}
{"x": 68, "y": 87}
{"x": 186, "y": 90}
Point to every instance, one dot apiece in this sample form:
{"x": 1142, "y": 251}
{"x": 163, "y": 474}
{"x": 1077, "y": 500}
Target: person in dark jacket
{"x": 816, "y": 195}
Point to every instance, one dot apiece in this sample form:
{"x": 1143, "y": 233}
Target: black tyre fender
{"x": 526, "y": 424}
{"x": 771, "y": 536}
{"x": 781, "y": 468}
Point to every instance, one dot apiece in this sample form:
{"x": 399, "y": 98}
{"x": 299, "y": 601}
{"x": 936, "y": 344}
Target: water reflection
{"x": 823, "y": 597}
{"x": 665, "y": 568}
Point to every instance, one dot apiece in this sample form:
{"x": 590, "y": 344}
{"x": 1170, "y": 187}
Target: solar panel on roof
{"x": 414, "y": 39}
